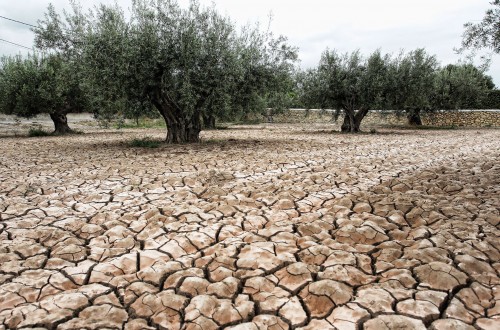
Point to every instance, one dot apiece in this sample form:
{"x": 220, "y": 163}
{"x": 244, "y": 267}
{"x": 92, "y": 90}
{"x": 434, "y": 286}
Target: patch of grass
{"x": 70, "y": 132}
{"x": 425, "y": 127}
{"x": 31, "y": 189}
{"x": 142, "y": 123}
{"x": 221, "y": 127}
{"x": 422, "y": 127}
{"x": 146, "y": 142}
{"x": 37, "y": 132}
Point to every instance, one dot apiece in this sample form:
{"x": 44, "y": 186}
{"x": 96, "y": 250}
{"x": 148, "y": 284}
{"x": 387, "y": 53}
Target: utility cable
{"x": 13, "y": 43}
{"x": 13, "y": 20}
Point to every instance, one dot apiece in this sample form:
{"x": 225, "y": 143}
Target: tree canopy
{"x": 461, "y": 86}
{"x": 408, "y": 83}
{"x": 40, "y": 84}
{"x": 412, "y": 84}
{"x": 349, "y": 83}
{"x": 191, "y": 64}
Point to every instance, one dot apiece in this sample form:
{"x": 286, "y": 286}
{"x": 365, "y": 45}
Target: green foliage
{"x": 485, "y": 34}
{"x": 145, "y": 142}
{"x": 20, "y": 90}
{"x": 346, "y": 82}
{"x": 37, "y": 132}
{"x": 435, "y": 128}
{"x": 492, "y": 100}
{"x": 186, "y": 63}
{"x": 408, "y": 83}
{"x": 412, "y": 79}
{"x": 461, "y": 86}
{"x": 329, "y": 85}
{"x": 39, "y": 84}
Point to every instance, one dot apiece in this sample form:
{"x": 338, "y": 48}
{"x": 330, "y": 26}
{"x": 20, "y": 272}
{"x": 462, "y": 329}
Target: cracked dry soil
{"x": 280, "y": 227}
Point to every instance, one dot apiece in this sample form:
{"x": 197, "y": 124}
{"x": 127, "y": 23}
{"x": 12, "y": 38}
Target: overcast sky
{"x": 313, "y": 25}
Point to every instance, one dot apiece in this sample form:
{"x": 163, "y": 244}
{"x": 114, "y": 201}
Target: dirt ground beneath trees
{"x": 258, "y": 227}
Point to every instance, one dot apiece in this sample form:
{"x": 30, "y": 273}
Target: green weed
{"x": 146, "y": 142}
{"x": 37, "y": 132}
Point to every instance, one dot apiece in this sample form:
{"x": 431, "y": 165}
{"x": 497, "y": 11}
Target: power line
{"x": 13, "y": 20}
{"x": 13, "y": 43}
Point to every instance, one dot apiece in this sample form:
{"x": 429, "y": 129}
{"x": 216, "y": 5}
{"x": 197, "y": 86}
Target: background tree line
{"x": 409, "y": 83}
{"x": 192, "y": 66}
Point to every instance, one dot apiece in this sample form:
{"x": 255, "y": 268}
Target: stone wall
{"x": 483, "y": 118}
{"x": 375, "y": 118}
{"x": 461, "y": 118}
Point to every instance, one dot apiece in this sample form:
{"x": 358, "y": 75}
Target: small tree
{"x": 461, "y": 86}
{"x": 492, "y": 100}
{"x": 34, "y": 85}
{"x": 412, "y": 84}
{"x": 190, "y": 64}
{"x": 347, "y": 83}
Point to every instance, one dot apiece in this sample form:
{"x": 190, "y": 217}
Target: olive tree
{"x": 191, "y": 64}
{"x": 492, "y": 100}
{"x": 461, "y": 86}
{"x": 40, "y": 84}
{"x": 412, "y": 84}
{"x": 348, "y": 83}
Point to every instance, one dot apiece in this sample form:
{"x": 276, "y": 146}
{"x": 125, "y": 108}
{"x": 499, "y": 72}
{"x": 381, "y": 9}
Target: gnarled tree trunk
{"x": 208, "y": 121}
{"x": 180, "y": 129}
{"x": 414, "y": 117}
{"x": 269, "y": 115}
{"x": 348, "y": 125}
{"x": 352, "y": 120}
{"x": 60, "y": 123}
{"x": 183, "y": 131}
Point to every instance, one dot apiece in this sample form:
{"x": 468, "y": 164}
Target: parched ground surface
{"x": 275, "y": 227}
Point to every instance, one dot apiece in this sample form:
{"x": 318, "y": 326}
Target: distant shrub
{"x": 492, "y": 100}
{"x": 424, "y": 127}
{"x": 221, "y": 127}
{"x": 36, "y": 132}
{"x": 249, "y": 121}
{"x": 146, "y": 142}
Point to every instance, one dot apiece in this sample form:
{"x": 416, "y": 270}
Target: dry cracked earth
{"x": 275, "y": 227}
